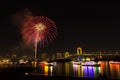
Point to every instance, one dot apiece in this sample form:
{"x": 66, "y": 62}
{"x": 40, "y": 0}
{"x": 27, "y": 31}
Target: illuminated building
{"x": 79, "y": 51}
{"x": 13, "y": 55}
{"x": 43, "y": 56}
{"x": 59, "y": 55}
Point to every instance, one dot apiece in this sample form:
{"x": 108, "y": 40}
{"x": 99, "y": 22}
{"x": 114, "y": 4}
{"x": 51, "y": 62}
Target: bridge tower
{"x": 79, "y": 51}
{"x": 66, "y": 54}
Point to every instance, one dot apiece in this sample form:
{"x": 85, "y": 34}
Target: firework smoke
{"x": 20, "y": 18}
{"x": 35, "y": 30}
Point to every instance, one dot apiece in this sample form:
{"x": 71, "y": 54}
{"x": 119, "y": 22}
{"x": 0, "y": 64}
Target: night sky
{"x": 94, "y": 26}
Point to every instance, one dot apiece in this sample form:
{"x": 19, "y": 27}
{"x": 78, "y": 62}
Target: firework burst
{"x": 39, "y": 30}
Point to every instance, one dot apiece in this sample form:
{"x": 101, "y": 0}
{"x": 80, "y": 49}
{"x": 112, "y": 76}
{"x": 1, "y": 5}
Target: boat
{"x": 49, "y": 64}
{"x": 90, "y": 63}
{"x": 77, "y": 62}
{"x": 95, "y": 65}
{"x": 114, "y": 62}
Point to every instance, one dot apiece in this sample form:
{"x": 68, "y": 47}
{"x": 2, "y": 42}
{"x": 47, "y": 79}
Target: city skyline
{"x": 93, "y": 26}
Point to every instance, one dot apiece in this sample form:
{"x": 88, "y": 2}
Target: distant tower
{"x": 79, "y": 51}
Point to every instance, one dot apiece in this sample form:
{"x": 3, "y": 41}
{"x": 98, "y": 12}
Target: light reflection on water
{"x": 69, "y": 69}
{"x": 107, "y": 68}
{"x": 115, "y": 70}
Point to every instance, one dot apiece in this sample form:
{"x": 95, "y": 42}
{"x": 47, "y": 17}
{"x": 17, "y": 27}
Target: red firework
{"x": 39, "y": 29}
